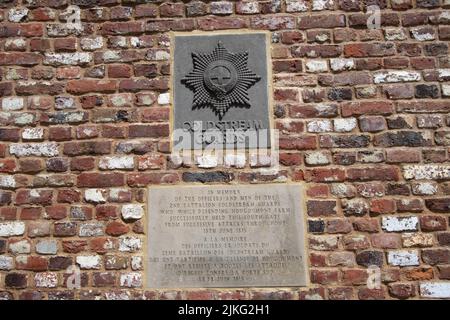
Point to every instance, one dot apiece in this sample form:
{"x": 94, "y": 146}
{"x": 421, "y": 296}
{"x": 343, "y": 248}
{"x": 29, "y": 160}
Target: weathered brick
{"x": 100, "y": 180}
{"x": 433, "y": 223}
{"x": 273, "y": 23}
{"x": 373, "y": 173}
{"x": 87, "y": 148}
{"x": 402, "y": 138}
{"x": 436, "y": 256}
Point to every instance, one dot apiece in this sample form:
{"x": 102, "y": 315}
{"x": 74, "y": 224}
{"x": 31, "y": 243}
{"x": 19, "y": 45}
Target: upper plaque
{"x": 226, "y": 236}
{"x": 220, "y": 90}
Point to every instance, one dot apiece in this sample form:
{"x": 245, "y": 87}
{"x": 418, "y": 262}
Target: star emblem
{"x": 220, "y": 80}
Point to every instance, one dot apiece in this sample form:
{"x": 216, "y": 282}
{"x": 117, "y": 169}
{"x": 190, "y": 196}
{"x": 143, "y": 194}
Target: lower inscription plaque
{"x": 226, "y": 236}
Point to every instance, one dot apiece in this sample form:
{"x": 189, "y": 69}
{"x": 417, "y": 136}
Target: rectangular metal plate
{"x": 226, "y": 236}
{"x": 221, "y": 81}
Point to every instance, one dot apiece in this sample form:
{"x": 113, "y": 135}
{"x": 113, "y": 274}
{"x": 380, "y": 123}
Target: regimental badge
{"x": 220, "y": 80}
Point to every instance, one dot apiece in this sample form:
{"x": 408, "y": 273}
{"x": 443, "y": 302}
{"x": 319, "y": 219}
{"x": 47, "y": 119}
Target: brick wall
{"x": 363, "y": 116}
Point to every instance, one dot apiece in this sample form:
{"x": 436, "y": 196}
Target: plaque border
{"x": 303, "y": 206}
{"x": 269, "y": 74}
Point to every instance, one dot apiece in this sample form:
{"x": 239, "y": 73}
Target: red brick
{"x": 321, "y": 21}
{"x": 373, "y": 173}
{"x": 135, "y": 85}
{"x": 290, "y": 159}
{"x": 87, "y": 148}
{"x": 68, "y": 73}
{"x": 74, "y": 246}
{"x": 106, "y": 212}
{"x": 359, "y": 50}
{"x": 324, "y": 276}
{"x": 60, "y": 133}
{"x": 291, "y": 37}
{"x": 146, "y": 11}
{"x": 419, "y": 273}
{"x": 102, "y": 245}
{"x": 68, "y": 196}
{"x": 371, "y": 294}
{"x": 8, "y": 213}
{"x": 367, "y": 108}
{"x": 321, "y": 208}
{"x": 354, "y": 276}
{"x": 155, "y": 114}
{"x": 273, "y": 23}
{"x": 143, "y": 179}
{"x": 9, "y": 134}
{"x": 298, "y": 143}
{"x": 339, "y": 226}
{"x": 161, "y": 25}
{"x": 317, "y": 259}
{"x": 40, "y": 197}
{"x": 100, "y": 180}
